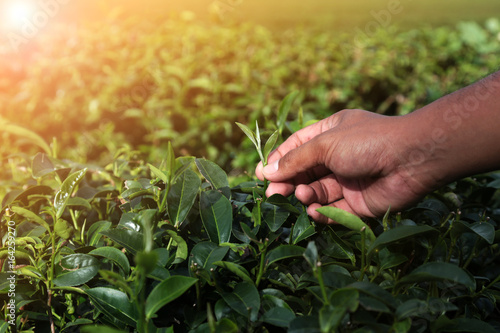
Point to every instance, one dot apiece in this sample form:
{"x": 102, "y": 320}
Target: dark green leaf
{"x": 217, "y": 216}
{"x": 461, "y": 325}
{"x": 113, "y": 303}
{"x": 75, "y": 269}
{"x": 78, "y": 202}
{"x": 115, "y": 255}
{"x": 278, "y": 316}
{"x": 130, "y": 239}
{"x": 206, "y": 254}
{"x": 94, "y": 232}
{"x": 274, "y": 216}
{"x": 214, "y": 175}
{"x": 166, "y": 292}
{"x": 283, "y": 252}
{"x": 399, "y": 234}
{"x": 302, "y": 229}
{"x": 244, "y": 299}
{"x": 311, "y": 254}
{"x": 439, "y": 271}
{"x": 182, "y": 195}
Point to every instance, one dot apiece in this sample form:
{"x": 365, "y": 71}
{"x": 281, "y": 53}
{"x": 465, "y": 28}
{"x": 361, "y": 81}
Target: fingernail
{"x": 271, "y": 168}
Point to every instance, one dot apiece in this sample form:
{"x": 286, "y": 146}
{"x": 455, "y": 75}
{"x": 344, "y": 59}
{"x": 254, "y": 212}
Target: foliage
{"x": 188, "y": 82}
{"x": 136, "y": 247}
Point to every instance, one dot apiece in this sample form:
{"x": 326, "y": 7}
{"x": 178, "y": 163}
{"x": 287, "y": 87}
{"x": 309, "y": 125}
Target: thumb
{"x": 297, "y": 161}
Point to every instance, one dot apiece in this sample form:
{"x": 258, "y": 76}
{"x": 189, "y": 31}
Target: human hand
{"x": 352, "y": 160}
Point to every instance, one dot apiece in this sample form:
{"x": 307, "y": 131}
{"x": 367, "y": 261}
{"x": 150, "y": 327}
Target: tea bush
{"x": 137, "y": 247}
{"x": 188, "y": 82}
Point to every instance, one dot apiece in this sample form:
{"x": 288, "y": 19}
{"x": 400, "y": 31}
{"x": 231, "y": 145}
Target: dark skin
{"x": 365, "y": 163}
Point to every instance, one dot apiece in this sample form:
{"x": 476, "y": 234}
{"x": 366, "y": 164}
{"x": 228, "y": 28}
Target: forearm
{"x": 457, "y": 135}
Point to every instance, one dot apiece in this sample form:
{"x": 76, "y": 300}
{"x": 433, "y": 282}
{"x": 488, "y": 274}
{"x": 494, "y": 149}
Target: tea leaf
{"x": 347, "y": 219}
{"x": 207, "y": 254}
{"x": 249, "y": 133}
{"x": 284, "y": 252}
{"x": 439, "y": 271}
{"x": 236, "y": 269}
{"x": 278, "y": 316}
{"x": 115, "y": 255}
{"x": 284, "y": 109}
{"x": 114, "y": 303}
{"x": 166, "y": 292}
{"x": 270, "y": 145}
{"x": 182, "y": 195}
{"x": 31, "y": 217}
{"x": 214, "y": 175}
{"x": 67, "y": 188}
{"x": 399, "y": 234}
{"x": 76, "y": 269}
{"x": 244, "y": 299}
{"x": 217, "y": 216}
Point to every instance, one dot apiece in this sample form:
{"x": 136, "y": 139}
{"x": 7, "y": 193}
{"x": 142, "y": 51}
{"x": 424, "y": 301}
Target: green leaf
{"x": 166, "y": 292}
{"x": 461, "y": 325}
{"x": 67, "y": 188}
{"x": 302, "y": 229}
{"x": 249, "y": 133}
{"x": 206, "y": 254}
{"x": 270, "y": 145}
{"x": 217, "y": 216}
{"x": 25, "y": 134}
{"x": 304, "y": 325}
{"x": 64, "y": 229}
{"x": 439, "y": 271}
{"x": 282, "y": 202}
{"x": 339, "y": 249}
{"x": 130, "y": 239}
{"x": 75, "y": 269}
{"x": 375, "y": 291}
{"x": 283, "y": 252}
{"x": 284, "y": 109}
{"x": 399, "y": 234}
{"x": 94, "y": 232}
{"x": 311, "y": 254}
{"x": 113, "y": 303}
{"x": 182, "y": 249}
{"x": 78, "y": 202}
{"x": 274, "y": 216}
{"x": 41, "y": 165}
{"x": 182, "y": 195}
{"x": 115, "y": 255}
{"x": 347, "y": 219}
{"x": 158, "y": 173}
{"x": 214, "y": 175}
{"x": 483, "y": 229}
{"x": 244, "y": 299}
{"x": 99, "y": 329}
{"x": 278, "y": 316}
{"x": 236, "y": 269}
{"x": 30, "y": 216}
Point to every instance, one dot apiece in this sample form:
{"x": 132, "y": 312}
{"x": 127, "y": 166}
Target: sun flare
{"x": 18, "y": 11}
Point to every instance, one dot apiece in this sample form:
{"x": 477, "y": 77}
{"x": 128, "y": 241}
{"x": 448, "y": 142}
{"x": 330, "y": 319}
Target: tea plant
{"x": 137, "y": 247}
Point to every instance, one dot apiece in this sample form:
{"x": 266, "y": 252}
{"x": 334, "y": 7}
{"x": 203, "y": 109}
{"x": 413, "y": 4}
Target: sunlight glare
{"x": 18, "y": 11}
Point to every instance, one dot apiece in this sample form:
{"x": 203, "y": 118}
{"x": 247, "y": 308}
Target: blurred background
{"x": 102, "y": 80}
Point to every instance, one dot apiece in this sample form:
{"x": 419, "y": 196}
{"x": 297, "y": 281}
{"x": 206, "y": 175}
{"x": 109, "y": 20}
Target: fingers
{"x": 295, "y": 141}
{"x": 323, "y": 191}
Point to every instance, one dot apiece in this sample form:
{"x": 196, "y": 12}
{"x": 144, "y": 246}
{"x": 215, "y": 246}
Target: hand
{"x": 352, "y": 160}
